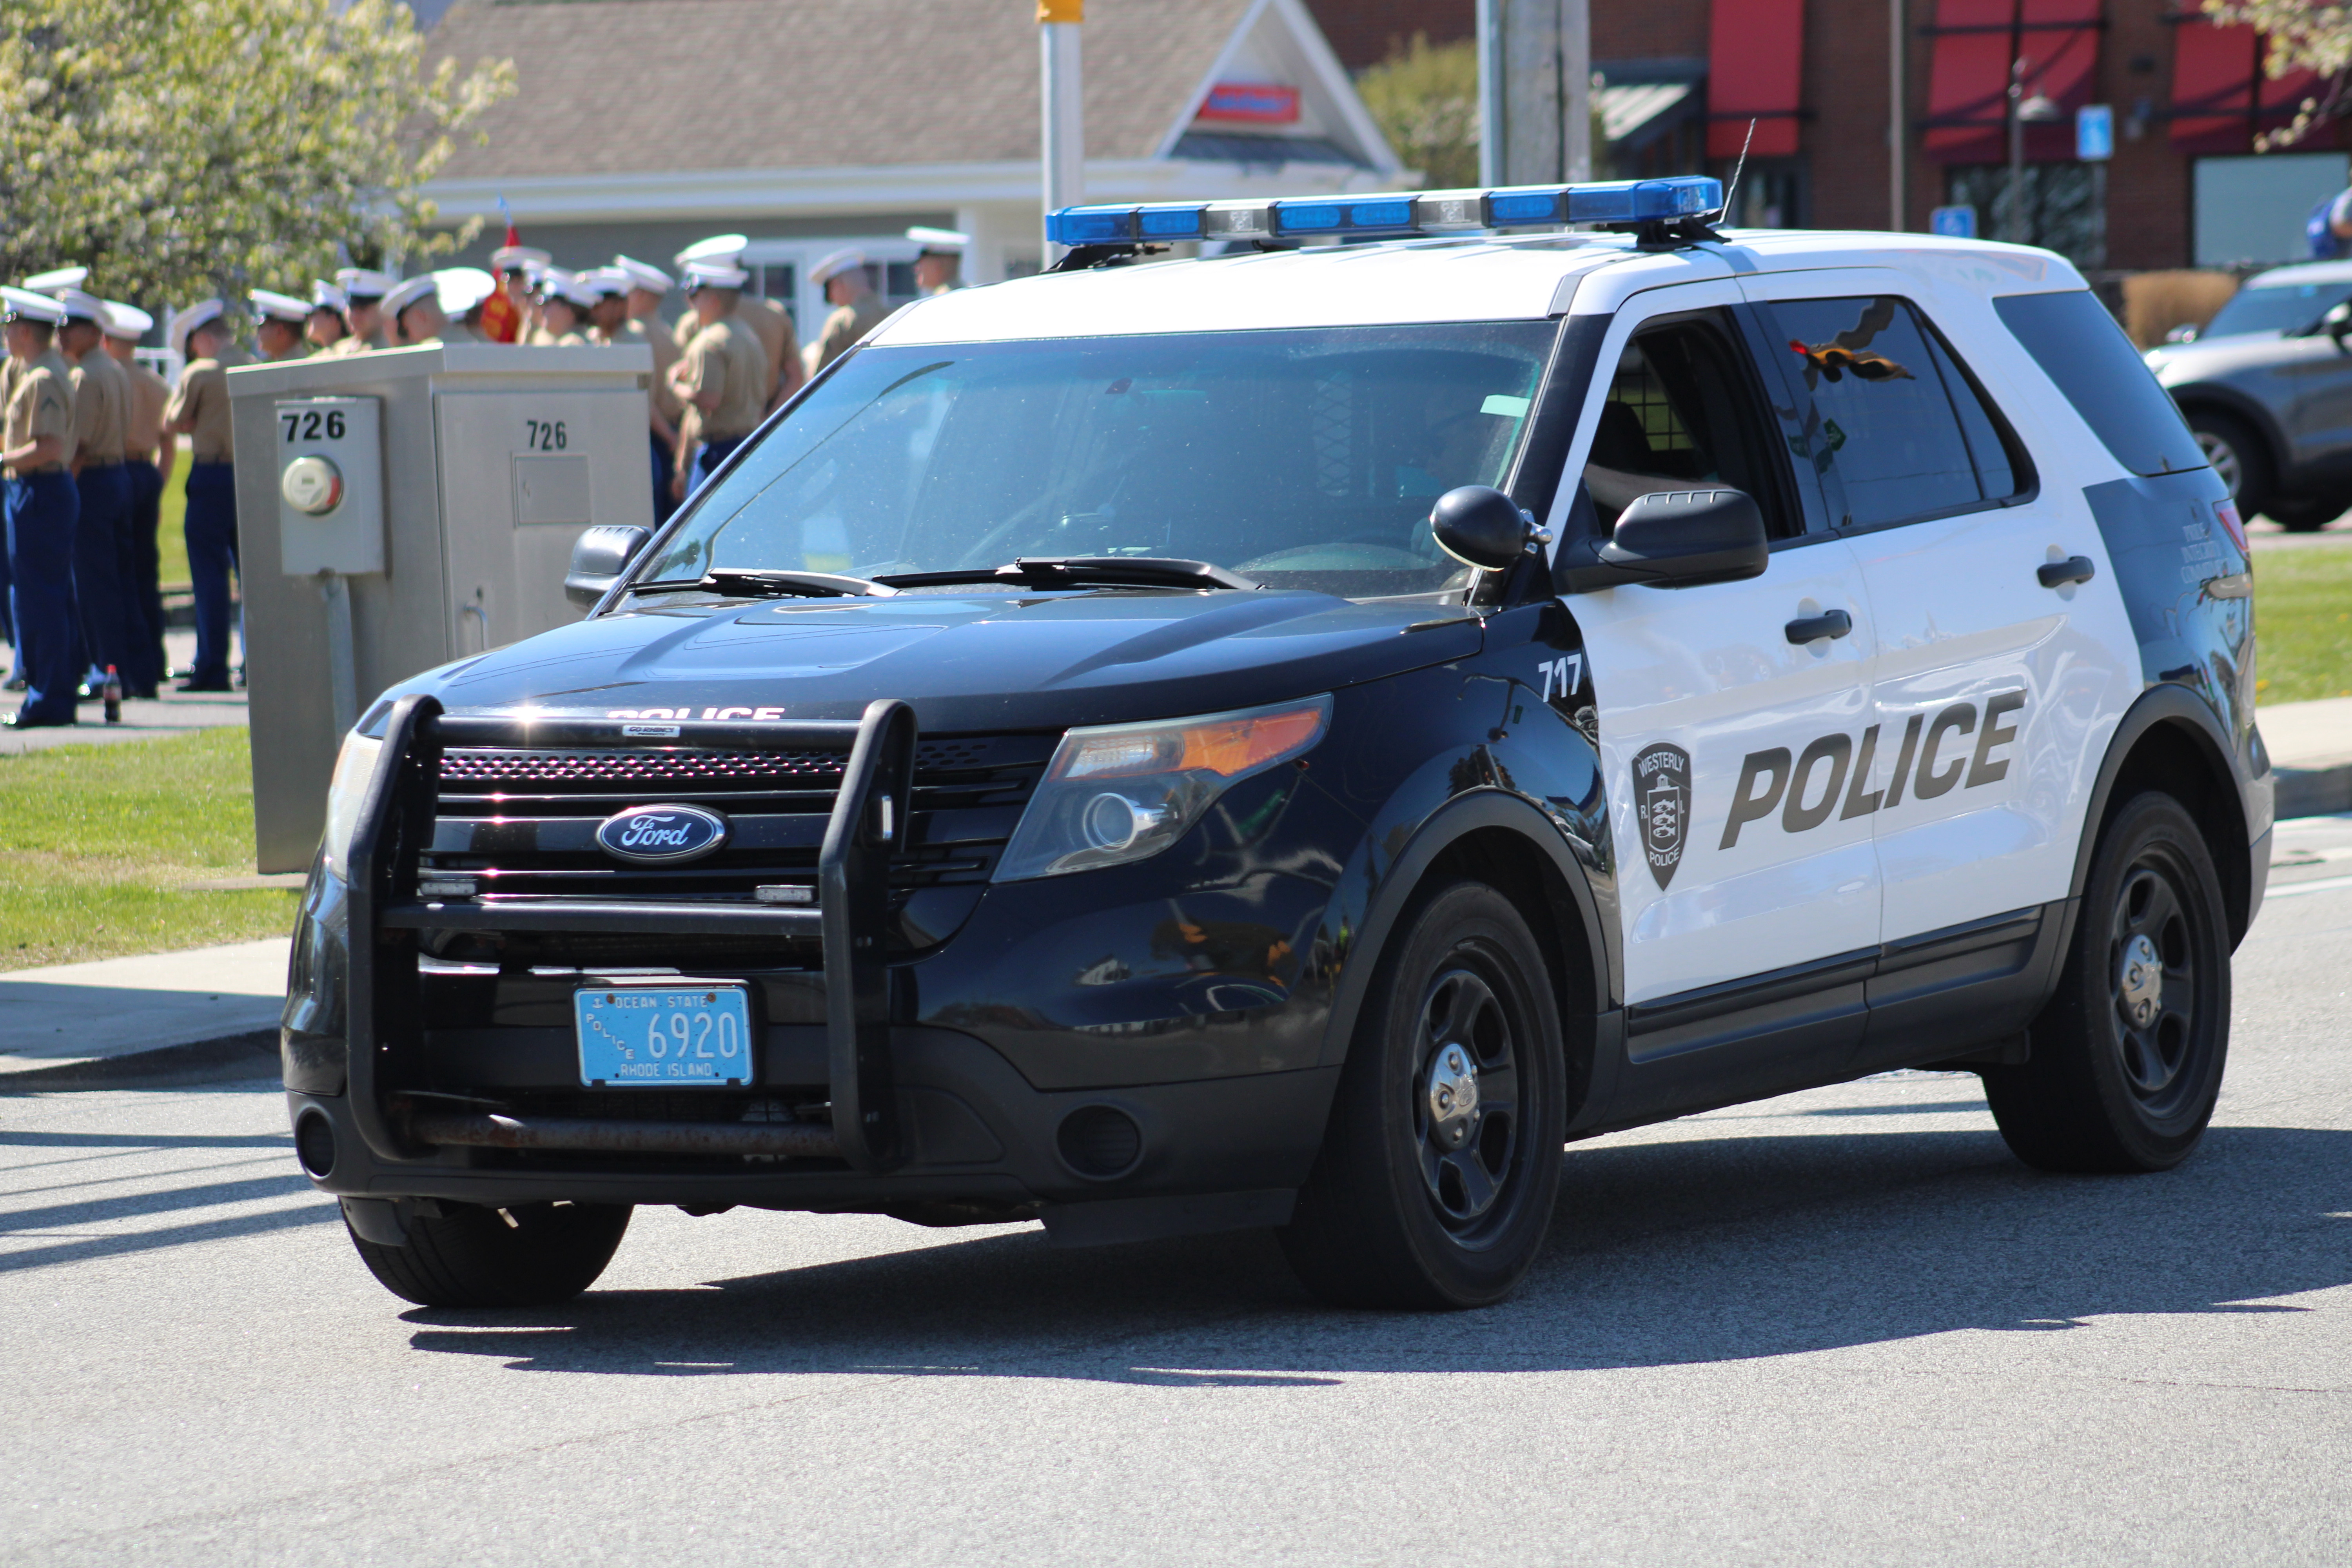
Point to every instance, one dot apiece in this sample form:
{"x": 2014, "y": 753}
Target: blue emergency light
{"x": 1397, "y": 212}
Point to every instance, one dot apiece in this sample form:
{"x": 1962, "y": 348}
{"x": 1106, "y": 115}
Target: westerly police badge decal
{"x": 1661, "y": 797}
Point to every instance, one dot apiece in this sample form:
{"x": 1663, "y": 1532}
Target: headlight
{"x": 354, "y": 766}
{"x": 1116, "y": 793}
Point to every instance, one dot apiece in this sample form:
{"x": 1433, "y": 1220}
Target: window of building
{"x": 2065, "y": 206}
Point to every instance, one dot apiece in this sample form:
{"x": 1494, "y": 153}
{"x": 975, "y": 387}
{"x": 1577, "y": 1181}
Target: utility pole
{"x": 1535, "y": 92}
{"x": 1063, "y": 96}
{"x": 2036, "y": 109}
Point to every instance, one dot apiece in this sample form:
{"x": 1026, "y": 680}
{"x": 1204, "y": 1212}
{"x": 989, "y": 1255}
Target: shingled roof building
{"x": 640, "y": 125}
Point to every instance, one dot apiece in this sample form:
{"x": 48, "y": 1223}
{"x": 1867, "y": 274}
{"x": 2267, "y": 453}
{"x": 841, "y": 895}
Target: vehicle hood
{"x": 965, "y": 662}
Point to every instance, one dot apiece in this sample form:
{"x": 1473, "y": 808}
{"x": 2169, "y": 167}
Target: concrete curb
{"x": 2314, "y": 792}
{"x": 249, "y": 1054}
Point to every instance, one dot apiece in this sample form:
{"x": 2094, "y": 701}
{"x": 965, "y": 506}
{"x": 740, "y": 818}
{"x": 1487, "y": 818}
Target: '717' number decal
{"x": 1562, "y": 676}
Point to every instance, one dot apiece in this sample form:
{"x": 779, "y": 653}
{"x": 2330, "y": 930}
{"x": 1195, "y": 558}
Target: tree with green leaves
{"x": 2298, "y": 36}
{"x": 1425, "y": 101}
{"x": 185, "y": 148}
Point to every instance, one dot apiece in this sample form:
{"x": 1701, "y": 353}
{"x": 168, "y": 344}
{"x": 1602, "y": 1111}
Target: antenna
{"x": 1729, "y": 196}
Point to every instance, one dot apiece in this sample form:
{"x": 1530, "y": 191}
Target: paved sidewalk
{"x": 163, "y": 1015}
{"x": 172, "y": 713}
{"x": 2311, "y": 747}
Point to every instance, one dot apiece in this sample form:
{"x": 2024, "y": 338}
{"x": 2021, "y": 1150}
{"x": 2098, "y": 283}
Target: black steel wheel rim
{"x": 1470, "y": 1163}
{"x": 2154, "y": 970}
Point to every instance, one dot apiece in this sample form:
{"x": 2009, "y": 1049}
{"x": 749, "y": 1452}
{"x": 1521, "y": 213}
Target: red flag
{"x": 501, "y": 319}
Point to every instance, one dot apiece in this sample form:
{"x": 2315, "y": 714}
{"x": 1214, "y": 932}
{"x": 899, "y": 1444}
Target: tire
{"x": 470, "y": 1257}
{"x": 2237, "y": 455}
{"x": 2304, "y": 514}
{"x": 2122, "y": 1076}
{"x": 1416, "y": 1201}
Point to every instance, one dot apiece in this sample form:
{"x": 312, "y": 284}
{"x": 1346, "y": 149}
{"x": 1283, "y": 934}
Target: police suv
{"x": 1293, "y": 737}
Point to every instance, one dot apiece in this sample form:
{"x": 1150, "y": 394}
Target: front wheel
{"x": 1439, "y": 1169}
{"x": 2125, "y": 1060}
{"x": 531, "y": 1255}
{"x": 2238, "y": 456}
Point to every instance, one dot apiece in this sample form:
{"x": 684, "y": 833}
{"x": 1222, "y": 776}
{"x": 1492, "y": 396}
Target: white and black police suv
{"x": 1293, "y": 737}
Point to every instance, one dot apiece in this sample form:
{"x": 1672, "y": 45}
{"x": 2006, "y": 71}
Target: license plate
{"x": 662, "y": 1035}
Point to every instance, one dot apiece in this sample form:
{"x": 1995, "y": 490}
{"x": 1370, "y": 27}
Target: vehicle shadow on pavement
{"x": 1690, "y": 1250}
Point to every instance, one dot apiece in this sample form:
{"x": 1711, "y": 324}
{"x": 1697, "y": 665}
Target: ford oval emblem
{"x": 662, "y": 834}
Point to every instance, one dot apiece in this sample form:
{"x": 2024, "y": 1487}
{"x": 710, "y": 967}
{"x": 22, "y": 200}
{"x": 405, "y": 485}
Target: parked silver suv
{"x": 2267, "y": 387}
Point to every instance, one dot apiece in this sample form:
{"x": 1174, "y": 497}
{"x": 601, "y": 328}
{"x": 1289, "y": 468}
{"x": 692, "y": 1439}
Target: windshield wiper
{"x": 1084, "y": 571}
{"x": 747, "y": 582}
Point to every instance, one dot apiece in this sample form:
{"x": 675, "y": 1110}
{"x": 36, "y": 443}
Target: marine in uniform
{"x": 768, "y": 318}
{"x": 413, "y": 314}
{"x": 723, "y": 374}
{"x": 519, "y": 267}
{"x": 147, "y": 453}
{"x": 857, "y": 308}
{"x": 103, "y": 604}
{"x": 199, "y": 410}
{"x": 323, "y": 328}
{"x": 363, "y": 291}
{"x": 938, "y": 265}
{"x": 461, "y": 292}
{"x": 278, "y": 321}
{"x": 563, "y": 305}
{"x": 37, "y": 449}
{"x": 649, "y": 287}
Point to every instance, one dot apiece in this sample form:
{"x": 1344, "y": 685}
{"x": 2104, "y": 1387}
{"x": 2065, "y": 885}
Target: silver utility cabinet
{"x": 400, "y": 510}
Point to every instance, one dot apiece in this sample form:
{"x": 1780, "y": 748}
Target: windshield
{"x": 2277, "y": 308}
{"x": 1300, "y": 459}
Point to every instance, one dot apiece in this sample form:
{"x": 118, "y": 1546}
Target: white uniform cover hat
{"x": 714, "y": 275}
{"x": 406, "y": 292}
{"x": 362, "y": 283}
{"x": 186, "y": 321}
{"x": 62, "y": 277}
{"x": 718, "y": 248}
{"x": 460, "y": 288}
{"x": 835, "y": 264}
{"x": 80, "y": 306}
{"x": 24, "y": 305}
{"x": 606, "y": 282}
{"x": 645, "y": 274}
{"x": 275, "y": 307}
{"x": 326, "y": 296}
{"x": 127, "y": 321}
{"x": 944, "y": 241}
{"x": 519, "y": 259}
{"x": 557, "y": 283}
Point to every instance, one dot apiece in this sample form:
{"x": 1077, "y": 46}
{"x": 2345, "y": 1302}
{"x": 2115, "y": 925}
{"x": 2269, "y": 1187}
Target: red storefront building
{"x": 1682, "y": 79}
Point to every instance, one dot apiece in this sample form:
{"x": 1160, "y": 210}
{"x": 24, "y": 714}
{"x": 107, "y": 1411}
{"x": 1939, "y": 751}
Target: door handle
{"x": 2073, "y": 569}
{"x": 1812, "y": 629}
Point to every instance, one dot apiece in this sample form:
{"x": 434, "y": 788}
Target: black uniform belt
{"x": 36, "y": 473}
{"x": 210, "y": 463}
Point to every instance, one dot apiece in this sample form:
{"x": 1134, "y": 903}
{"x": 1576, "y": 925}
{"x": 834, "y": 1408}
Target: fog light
{"x": 1100, "y": 1141}
{"x": 314, "y": 1144}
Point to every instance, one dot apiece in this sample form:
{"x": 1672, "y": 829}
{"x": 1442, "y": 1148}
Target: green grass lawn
{"x": 103, "y": 840}
{"x": 171, "y": 534}
{"x": 2303, "y": 622}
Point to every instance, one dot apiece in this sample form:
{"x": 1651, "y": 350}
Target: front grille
{"x": 520, "y": 821}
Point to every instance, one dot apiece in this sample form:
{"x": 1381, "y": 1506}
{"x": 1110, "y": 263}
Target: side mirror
{"x": 598, "y": 559}
{"x": 2337, "y": 322}
{"x": 1671, "y": 539}
{"x": 1482, "y": 527}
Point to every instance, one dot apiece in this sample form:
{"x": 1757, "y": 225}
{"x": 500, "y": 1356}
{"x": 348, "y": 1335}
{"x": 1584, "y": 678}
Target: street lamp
{"x": 2036, "y": 109}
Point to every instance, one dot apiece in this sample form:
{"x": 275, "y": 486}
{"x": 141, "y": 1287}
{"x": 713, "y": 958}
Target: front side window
{"x": 1904, "y": 433}
{"x": 1299, "y": 458}
{"x": 1682, "y": 414}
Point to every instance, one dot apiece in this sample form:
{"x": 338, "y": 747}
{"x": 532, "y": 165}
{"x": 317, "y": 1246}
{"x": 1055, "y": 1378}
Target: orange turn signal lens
{"x": 1226, "y": 744}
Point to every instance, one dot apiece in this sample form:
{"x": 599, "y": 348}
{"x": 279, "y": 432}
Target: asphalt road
{"x": 1837, "y": 1326}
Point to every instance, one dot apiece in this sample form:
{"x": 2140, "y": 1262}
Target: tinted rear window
{"x": 2078, "y": 346}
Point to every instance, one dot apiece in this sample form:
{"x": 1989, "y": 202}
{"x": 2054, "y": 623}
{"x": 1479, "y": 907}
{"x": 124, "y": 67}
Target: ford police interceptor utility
{"x": 1292, "y": 738}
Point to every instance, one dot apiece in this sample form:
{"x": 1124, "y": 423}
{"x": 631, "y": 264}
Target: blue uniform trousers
{"x": 212, "y": 556}
{"x": 662, "y": 457}
{"x": 706, "y": 461}
{"x": 100, "y": 596}
{"x": 141, "y": 575}
{"x": 42, "y": 511}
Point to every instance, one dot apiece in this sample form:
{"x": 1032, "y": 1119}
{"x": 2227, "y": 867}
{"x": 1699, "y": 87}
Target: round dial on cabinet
{"x": 312, "y": 484}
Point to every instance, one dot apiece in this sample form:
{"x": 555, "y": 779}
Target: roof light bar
{"x": 1391, "y": 213}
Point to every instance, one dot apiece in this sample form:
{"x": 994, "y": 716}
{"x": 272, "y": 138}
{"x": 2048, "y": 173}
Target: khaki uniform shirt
{"x": 204, "y": 394}
{"x": 143, "y": 433}
{"x": 344, "y": 346}
{"x": 102, "y": 409}
{"x": 772, "y": 324}
{"x": 727, "y": 359}
{"x": 40, "y": 402}
{"x": 844, "y": 327}
{"x": 666, "y": 351}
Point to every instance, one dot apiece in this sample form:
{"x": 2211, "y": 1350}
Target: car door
{"x": 1997, "y": 684}
{"x": 1747, "y": 891}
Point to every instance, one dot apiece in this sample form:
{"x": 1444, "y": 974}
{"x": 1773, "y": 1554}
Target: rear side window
{"x": 1897, "y": 426}
{"x": 2079, "y": 347}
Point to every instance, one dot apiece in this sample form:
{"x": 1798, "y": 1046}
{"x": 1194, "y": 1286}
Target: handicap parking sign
{"x": 1953, "y": 222}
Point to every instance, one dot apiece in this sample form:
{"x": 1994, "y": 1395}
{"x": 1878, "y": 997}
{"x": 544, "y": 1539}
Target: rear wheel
{"x": 2126, "y": 1058}
{"x": 532, "y": 1255}
{"x": 2304, "y": 514}
{"x": 1438, "y": 1173}
{"x": 2238, "y": 456}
